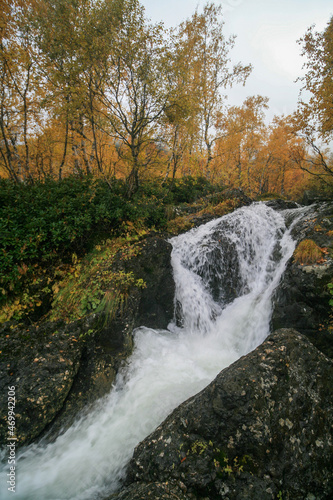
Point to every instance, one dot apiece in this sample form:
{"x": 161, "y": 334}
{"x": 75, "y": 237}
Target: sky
{"x": 267, "y": 32}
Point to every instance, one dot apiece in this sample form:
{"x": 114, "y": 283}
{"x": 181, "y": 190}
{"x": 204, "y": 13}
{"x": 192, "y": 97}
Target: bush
{"x": 46, "y": 225}
{"x": 189, "y": 189}
{"x": 45, "y": 222}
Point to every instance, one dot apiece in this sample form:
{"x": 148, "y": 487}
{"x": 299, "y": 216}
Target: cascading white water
{"x": 213, "y": 329}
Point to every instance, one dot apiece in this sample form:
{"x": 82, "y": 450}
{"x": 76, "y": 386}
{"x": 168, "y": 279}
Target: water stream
{"x": 225, "y": 272}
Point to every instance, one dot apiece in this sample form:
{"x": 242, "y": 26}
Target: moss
{"x": 180, "y": 224}
{"x": 220, "y": 209}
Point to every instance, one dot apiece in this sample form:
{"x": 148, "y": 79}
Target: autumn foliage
{"x": 107, "y": 122}
{"x": 94, "y": 88}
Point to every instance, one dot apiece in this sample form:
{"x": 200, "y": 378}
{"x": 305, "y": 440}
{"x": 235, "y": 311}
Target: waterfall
{"x": 225, "y": 273}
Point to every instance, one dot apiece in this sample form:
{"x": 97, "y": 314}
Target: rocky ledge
{"x": 261, "y": 429}
{"x": 60, "y": 369}
{"x": 302, "y": 300}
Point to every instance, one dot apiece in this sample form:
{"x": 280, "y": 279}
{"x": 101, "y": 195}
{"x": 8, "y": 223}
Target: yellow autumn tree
{"x": 207, "y": 53}
{"x": 21, "y": 91}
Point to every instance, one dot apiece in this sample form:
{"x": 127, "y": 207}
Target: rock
{"x": 162, "y": 491}
{"x": 41, "y": 363}
{"x": 156, "y": 304}
{"x": 59, "y": 370}
{"x": 312, "y": 196}
{"x": 281, "y": 204}
{"x": 262, "y": 428}
{"x": 301, "y": 301}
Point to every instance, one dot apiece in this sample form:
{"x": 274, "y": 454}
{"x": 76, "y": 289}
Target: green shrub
{"x": 188, "y": 189}
{"x": 42, "y": 226}
{"x": 45, "y": 222}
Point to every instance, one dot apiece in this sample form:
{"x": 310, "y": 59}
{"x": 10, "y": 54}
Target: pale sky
{"x": 267, "y": 32}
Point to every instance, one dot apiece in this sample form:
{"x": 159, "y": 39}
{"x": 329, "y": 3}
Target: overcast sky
{"x": 267, "y": 32}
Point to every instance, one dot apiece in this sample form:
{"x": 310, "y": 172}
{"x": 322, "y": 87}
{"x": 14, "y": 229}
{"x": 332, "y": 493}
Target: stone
{"x": 262, "y": 428}
{"x": 301, "y": 301}
{"x": 60, "y": 370}
{"x": 162, "y": 491}
{"x": 281, "y": 204}
{"x": 41, "y": 363}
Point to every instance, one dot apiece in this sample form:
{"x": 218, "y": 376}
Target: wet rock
{"x": 281, "y": 204}
{"x": 302, "y": 299}
{"x": 156, "y": 301}
{"x": 41, "y": 363}
{"x": 262, "y": 428}
{"x": 312, "y": 196}
{"x": 59, "y": 370}
{"x": 302, "y": 302}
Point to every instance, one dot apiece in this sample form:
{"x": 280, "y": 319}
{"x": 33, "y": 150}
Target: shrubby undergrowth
{"x": 46, "y": 227}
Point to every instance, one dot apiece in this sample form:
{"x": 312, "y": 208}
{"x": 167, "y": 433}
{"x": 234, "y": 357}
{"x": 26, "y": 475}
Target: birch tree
{"x": 207, "y": 51}
{"x": 134, "y": 95}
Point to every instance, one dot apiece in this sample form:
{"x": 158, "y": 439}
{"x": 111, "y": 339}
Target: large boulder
{"x": 153, "y": 265}
{"x": 261, "y": 429}
{"x": 41, "y": 363}
{"x": 59, "y": 370}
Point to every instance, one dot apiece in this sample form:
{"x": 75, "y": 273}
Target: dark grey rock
{"x": 302, "y": 299}
{"x": 262, "y": 428}
{"x": 41, "y": 363}
{"x": 153, "y": 265}
{"x": 312, "y": 196}
{"x": 164, "y": 491}
{"x": 60, "y": 370}
{"x": 281, "y": 204}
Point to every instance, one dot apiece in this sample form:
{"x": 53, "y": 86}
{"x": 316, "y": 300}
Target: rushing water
{"x": 225, "y": 273}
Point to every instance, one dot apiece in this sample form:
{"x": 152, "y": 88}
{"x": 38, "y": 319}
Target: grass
{"x": 308, "y": 252}
{"x": 94, "y": 285}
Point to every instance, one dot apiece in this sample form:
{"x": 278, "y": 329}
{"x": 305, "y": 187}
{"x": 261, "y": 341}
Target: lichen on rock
{"x": 263, "y": 426}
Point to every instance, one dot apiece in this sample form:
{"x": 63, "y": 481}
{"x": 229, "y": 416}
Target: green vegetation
{"x": 94, "y": 286}
{"x": 47, "y": 228}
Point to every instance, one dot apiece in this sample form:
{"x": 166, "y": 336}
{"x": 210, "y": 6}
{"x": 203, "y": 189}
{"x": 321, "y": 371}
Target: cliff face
{"x": 59, "y": 370}
{"x": 302, "y": 299}
{"x": 262, "y": 428}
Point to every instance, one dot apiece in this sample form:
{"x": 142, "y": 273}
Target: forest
{"x": 93, "y": 88}
{"x": 107, "y": 121}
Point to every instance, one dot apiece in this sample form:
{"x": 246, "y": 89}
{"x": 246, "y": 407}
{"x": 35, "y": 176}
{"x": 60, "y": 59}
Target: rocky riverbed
{"x": 262, "y": 428}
